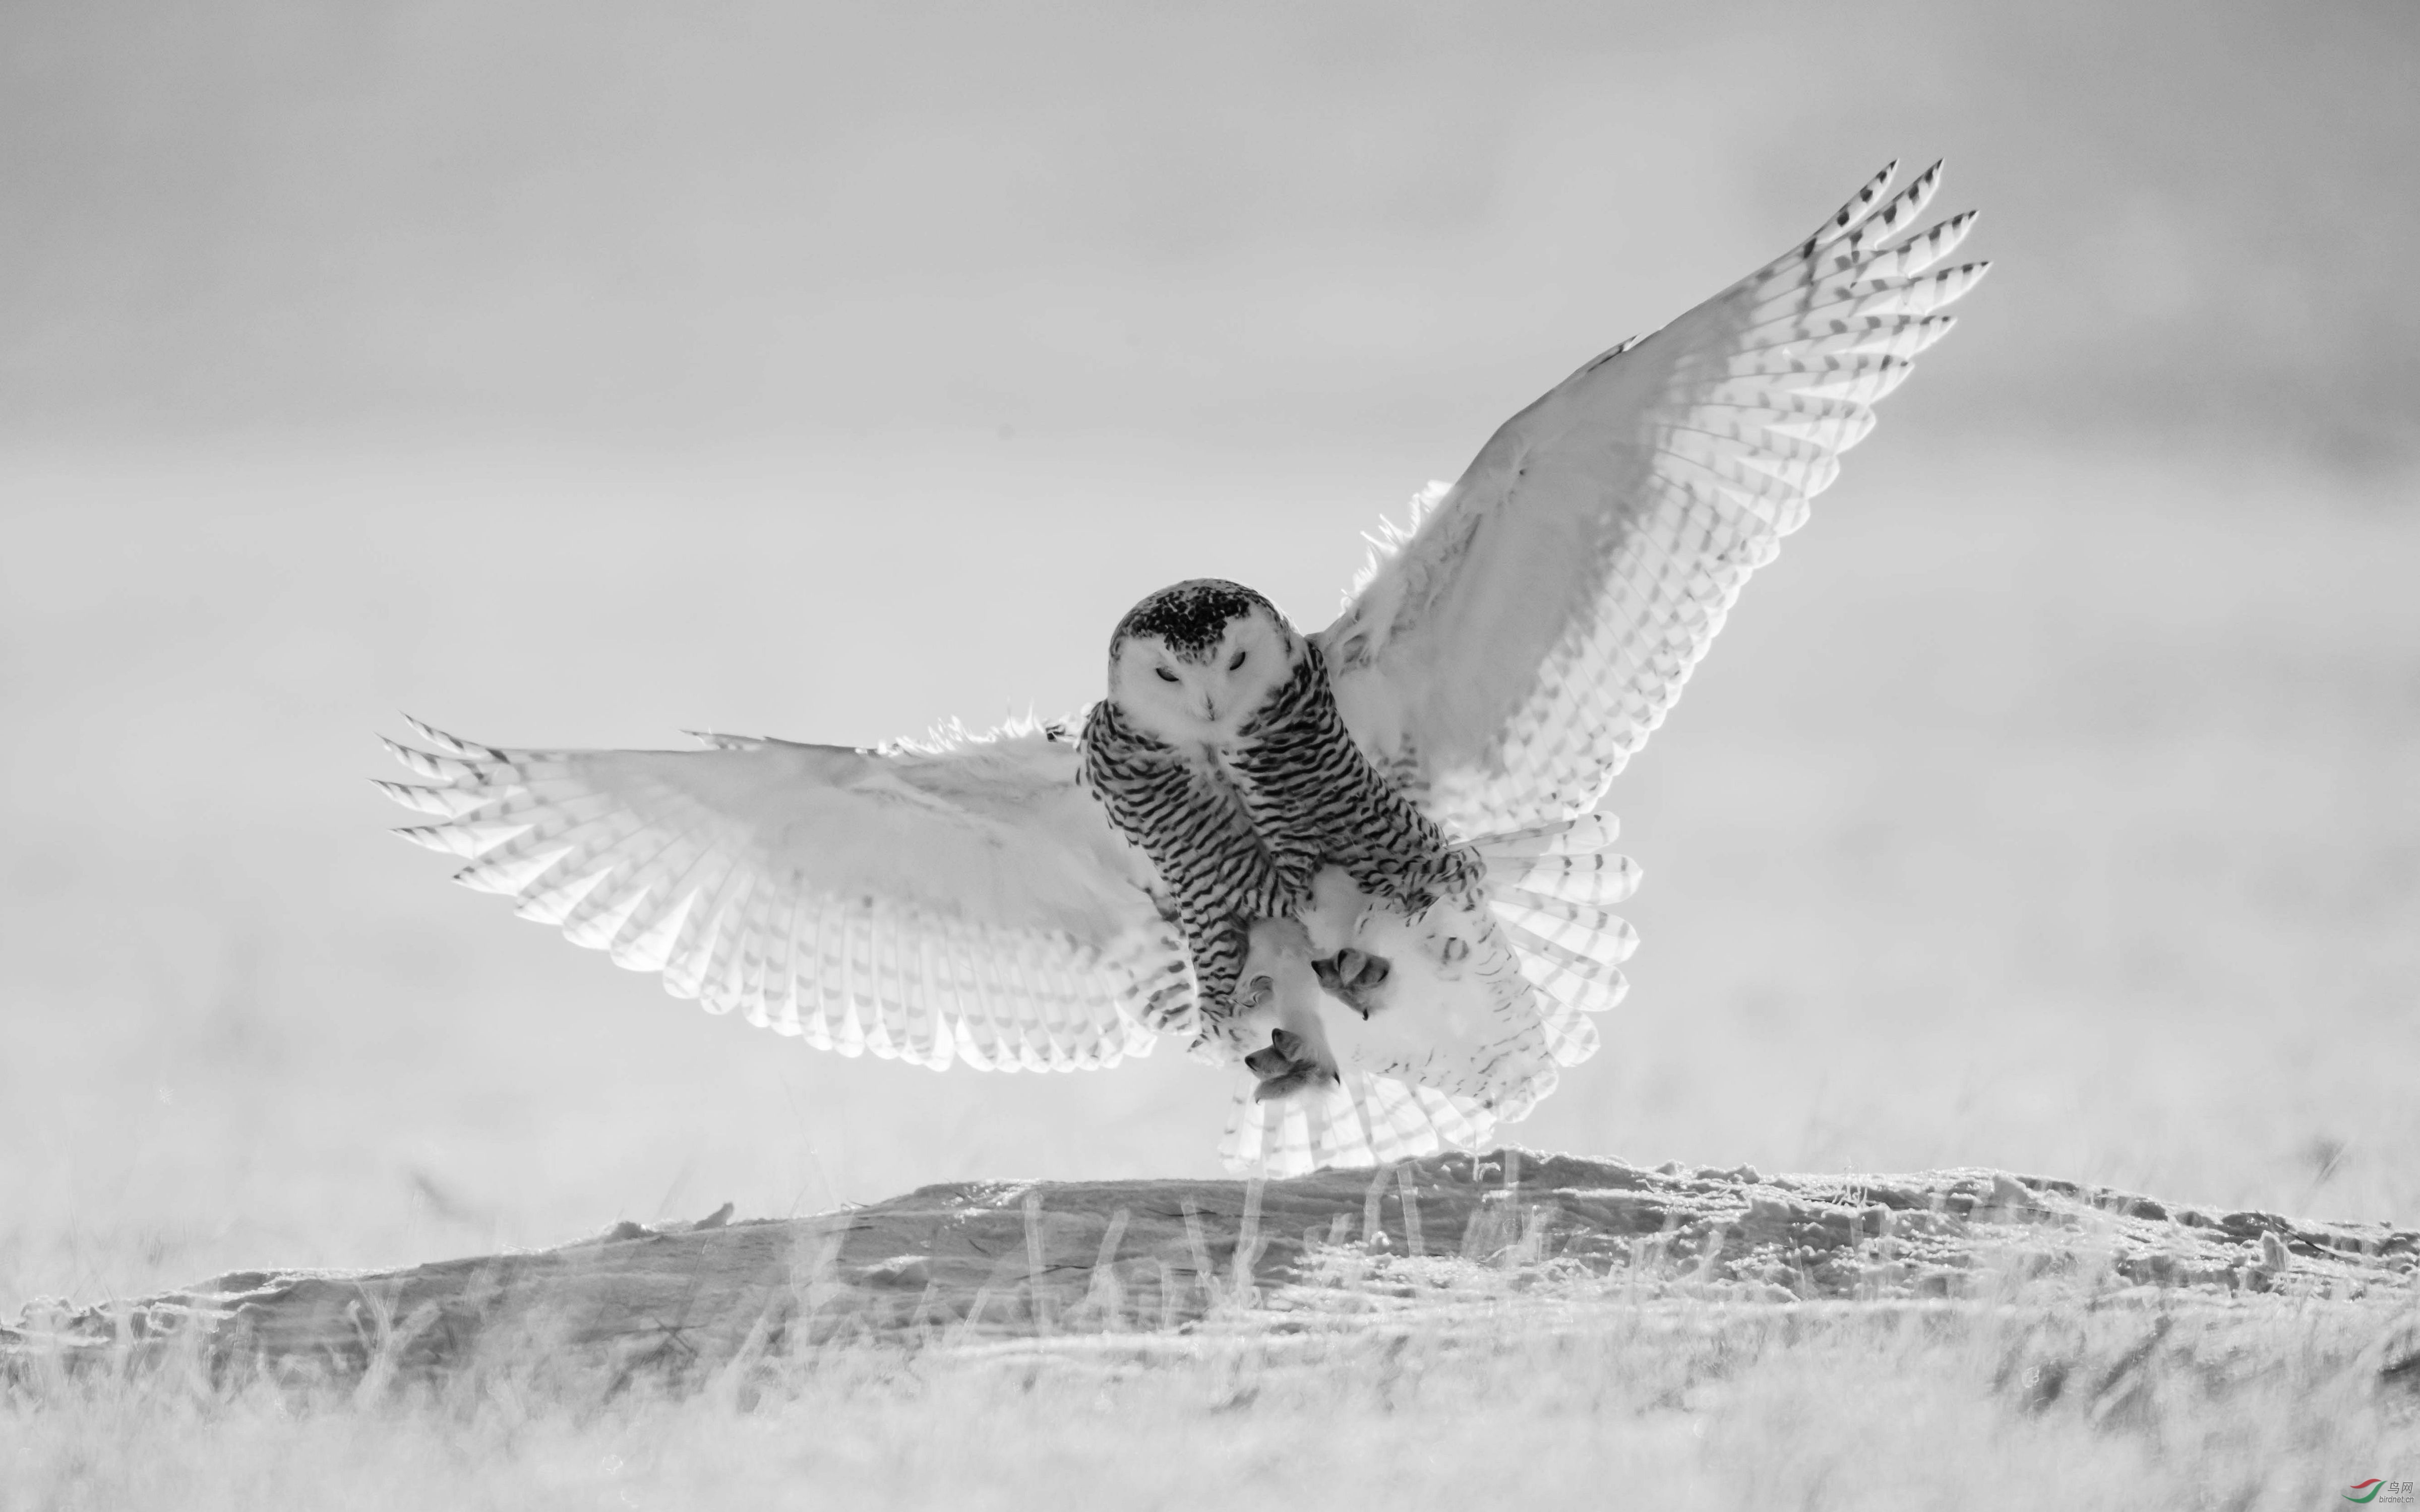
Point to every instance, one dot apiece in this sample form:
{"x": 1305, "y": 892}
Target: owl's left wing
{"x": 965, "y": 901}
{"x": 1505, "y": 657}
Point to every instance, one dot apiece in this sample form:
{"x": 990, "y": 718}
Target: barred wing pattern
{"x": 1548, "y": 889}
{"x": 965, "y": 901}
{"x": 1505, "y": 656}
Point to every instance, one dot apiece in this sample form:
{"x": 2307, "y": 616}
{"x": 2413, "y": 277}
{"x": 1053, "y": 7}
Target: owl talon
{"x": 1285, "y": 1065}
{"x": 1352, "y": 978}
{"x": 1295, "y": 1079}
{"x": 1286, "y": 1051}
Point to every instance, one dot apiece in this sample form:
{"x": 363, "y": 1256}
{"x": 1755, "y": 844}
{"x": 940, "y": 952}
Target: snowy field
{"x": 2044, "y": 1395}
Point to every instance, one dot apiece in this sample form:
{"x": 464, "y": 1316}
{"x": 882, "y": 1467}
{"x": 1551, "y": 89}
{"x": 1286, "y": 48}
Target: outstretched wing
{"x": 1505, "y": 657}
{"x": 966, "y": 901}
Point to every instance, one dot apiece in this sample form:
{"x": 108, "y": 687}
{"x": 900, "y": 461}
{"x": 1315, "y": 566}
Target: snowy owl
{"x": 1362, "y": 865}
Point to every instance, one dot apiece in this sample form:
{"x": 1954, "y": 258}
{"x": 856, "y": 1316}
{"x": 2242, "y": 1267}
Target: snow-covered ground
{"x": 1584, "y": 1396}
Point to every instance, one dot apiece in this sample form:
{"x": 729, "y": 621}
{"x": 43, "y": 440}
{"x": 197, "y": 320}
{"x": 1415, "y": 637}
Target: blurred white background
{"x": 573, "y": 374}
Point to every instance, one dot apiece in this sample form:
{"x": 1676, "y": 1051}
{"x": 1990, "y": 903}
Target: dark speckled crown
{"x": 1191, "y": 616}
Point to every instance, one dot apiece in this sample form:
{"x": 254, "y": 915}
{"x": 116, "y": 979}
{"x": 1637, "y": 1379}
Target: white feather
{"x": 959, "y": 898}
{"x": 1509, "y": 650}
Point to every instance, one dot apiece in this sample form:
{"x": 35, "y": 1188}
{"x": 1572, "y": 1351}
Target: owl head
{"x": 1190, "y": 664}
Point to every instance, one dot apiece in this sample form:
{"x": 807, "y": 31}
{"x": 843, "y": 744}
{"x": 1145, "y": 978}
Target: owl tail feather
{"x": 1362, "y": 1120}
{"x": 1545, "y": 890}
{"x": 1548, "y": 888}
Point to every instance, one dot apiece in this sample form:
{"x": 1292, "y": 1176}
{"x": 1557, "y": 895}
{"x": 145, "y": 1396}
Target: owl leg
{"x": 1279, "y": 978}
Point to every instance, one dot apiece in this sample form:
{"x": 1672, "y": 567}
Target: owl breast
{"x": 1238, "y": 832}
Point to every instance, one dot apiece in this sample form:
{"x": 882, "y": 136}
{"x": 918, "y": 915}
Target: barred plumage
{"x": 1364, "y": 862}
{"x": 1213, "y": 860}
{"x": 1299, "y": 870}
{"x": 1239, "y": 831}
{"x": 1303, "y": 777}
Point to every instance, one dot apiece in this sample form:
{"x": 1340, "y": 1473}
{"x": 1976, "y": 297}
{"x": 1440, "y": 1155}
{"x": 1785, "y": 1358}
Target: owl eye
{"x": 1165, "y": 675}
{"x": 1238, "y": 662}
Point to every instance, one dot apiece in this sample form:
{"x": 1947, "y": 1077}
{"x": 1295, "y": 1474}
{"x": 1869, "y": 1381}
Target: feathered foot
{"x": 1279, "y": 977}
{"x": 1353, "y": 978}
{"x": 1286, "y": 1066}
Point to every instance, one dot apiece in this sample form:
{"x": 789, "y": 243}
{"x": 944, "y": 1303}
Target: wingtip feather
{"x": 444, "y": 802}
{"x": 450, "y": 744}
{"x": 1844, "y": 219}
{"x": 424, "y": 763}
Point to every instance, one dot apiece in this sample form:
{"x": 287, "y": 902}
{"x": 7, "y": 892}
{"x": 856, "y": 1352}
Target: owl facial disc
{"x": 1192, "y": 663}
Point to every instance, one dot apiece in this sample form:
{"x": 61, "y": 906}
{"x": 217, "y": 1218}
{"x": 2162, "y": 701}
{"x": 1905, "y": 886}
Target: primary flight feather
{"x": 1361, "y": 864}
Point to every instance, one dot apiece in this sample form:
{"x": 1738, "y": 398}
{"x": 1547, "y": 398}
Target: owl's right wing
{"x": 963, "y": 901}
{"x": 1506, "y": 656}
